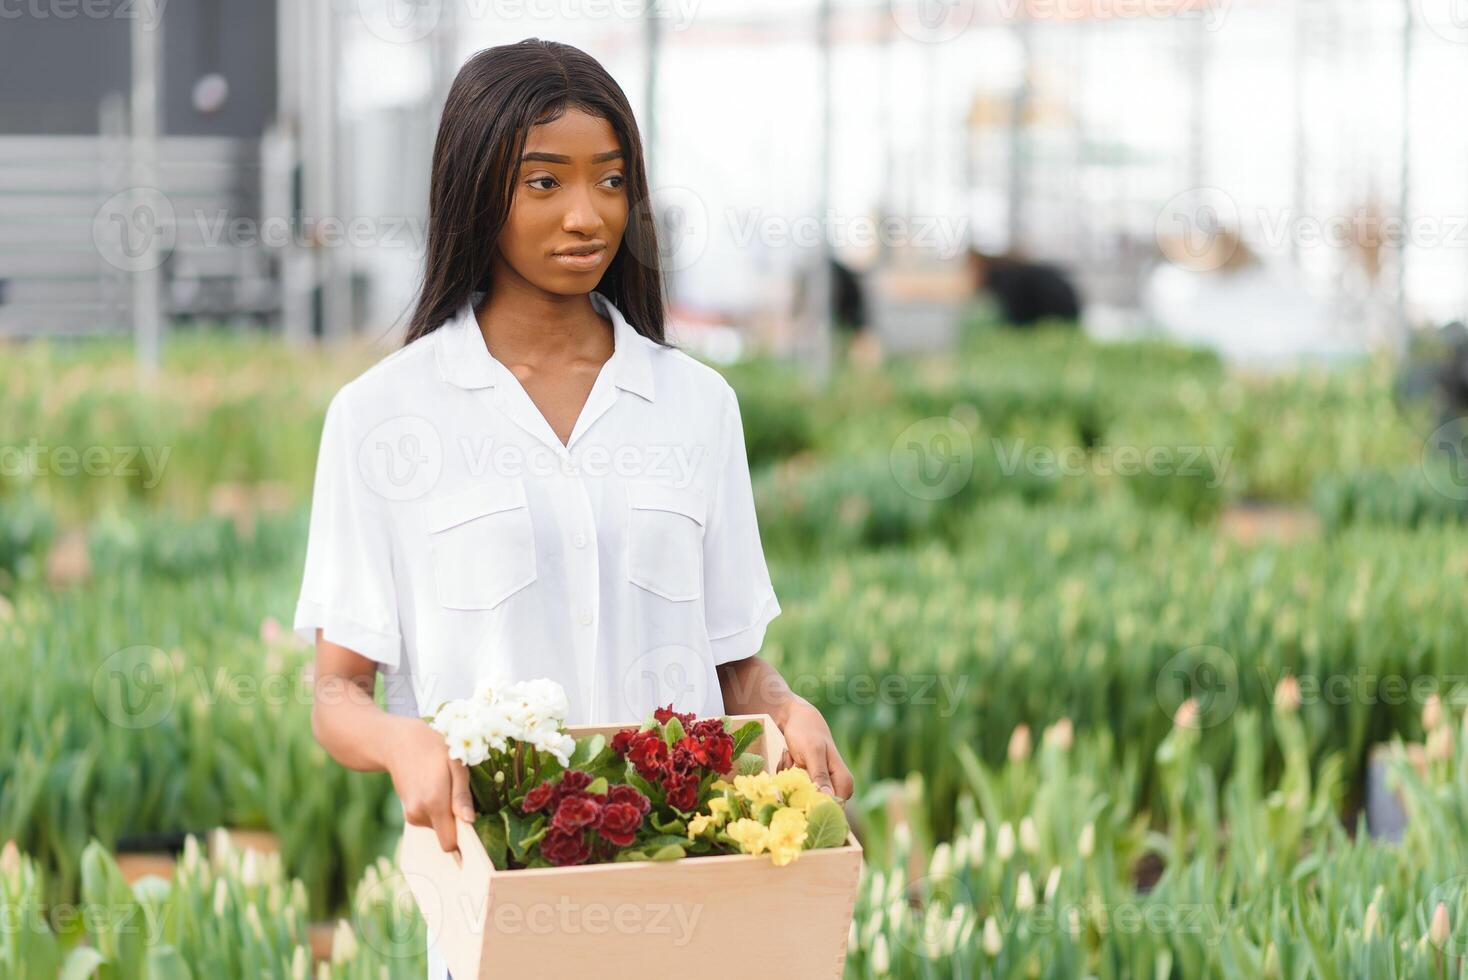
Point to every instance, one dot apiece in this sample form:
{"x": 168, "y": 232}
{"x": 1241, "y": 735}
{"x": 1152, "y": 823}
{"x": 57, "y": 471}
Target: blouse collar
{"x": 464, "y": 360}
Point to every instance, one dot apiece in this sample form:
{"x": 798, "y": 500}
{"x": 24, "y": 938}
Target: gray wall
{"x": 55, "y": 68}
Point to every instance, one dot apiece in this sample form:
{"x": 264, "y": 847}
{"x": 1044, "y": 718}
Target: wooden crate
{"x": 629, "y": 920}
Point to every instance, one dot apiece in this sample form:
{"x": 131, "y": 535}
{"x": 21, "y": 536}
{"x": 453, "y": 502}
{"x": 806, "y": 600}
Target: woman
{"x": 536, "y": 484}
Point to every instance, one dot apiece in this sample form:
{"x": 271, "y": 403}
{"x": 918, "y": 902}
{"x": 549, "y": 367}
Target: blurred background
{"x": 1104, "y": 377}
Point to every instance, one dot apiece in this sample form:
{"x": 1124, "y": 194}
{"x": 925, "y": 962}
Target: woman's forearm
{"x": 351, "y": 726}
{"x": 753, "y": 686}
{"x": 345, "y": 716}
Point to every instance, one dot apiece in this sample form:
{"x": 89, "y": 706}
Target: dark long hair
{"x": 496, "y": 97}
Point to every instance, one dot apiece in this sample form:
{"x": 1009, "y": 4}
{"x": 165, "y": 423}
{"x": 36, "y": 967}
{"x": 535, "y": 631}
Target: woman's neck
{"x": 527, "y": 326}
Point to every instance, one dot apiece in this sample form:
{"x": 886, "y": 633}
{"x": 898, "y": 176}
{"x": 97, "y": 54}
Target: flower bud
{"x": 1019, "y": 743}
{"x": 1432, "y": 713}
{"x": 881, "y": 959}
{"x": 1061, "y": 734}
{"x": 1287, "y": 694}
{"x": 1187, "y": 714}
{"x": 1439, "y": 744}
{"x": 1086, "y": 846}
{"x": 993, "y": 941}
{"x": 1029, "y": 837}
{"x": 1441, "y": 929}
{"x": 300, "y": 964}
{"x": 1024, "y": 892}
{"x": 1004, "y": 842}
{"x": 343, "y": 943}
{"x": 942, "y": 860}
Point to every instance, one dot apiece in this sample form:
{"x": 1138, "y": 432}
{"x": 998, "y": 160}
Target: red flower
{"x": 648, "y": 754}
{"x": 619, "y": 823}
{"x": 575, "y": 779}
{"x": 574, "y": 813}
{"x": 661, "y": 715}
{"x": 683, "y": 795}
{"x": 563, "y": 848}
{"x": 721, "y": 755}
{"x": 707, "y": 728}
{"x": 539, "y": 796}
{"x": 622, "y": 793}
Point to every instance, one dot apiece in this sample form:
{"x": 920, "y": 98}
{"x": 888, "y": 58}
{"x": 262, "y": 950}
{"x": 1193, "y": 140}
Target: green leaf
{"x": 644, "y": 787}
{"x": 826, "y": 825}
{"x": 631, "y": 855}
{"x": 749, "y": 764}
{"x": 745, "y": 735}
{"x": 670, "y": 852}
{"x": 518, "y": 831}
{"x": 588, "y": 748}
{"x": 673, "y": 732}
{"x": 494, "y": 834}
{"x": 673, "y": 825}
{"x": 664, "y": 840}
{"x": 165, "y": 963}
{"x": 597, "y": 785}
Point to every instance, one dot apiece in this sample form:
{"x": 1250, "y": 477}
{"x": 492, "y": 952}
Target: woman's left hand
{"x": 808, "y": 744}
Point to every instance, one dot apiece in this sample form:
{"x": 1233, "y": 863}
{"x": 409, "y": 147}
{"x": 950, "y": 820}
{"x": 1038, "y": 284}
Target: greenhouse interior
{"x": 978, "y": 494}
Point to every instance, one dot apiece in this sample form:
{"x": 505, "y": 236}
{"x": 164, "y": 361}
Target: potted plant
{"x": 622, "y": 848}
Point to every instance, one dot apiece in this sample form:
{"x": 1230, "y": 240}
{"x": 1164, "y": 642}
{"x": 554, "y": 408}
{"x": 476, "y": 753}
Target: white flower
{"x": 557, "y": 743}
{"x": 993, "y": 941}
{"x": 498, "y": 714}
{"x": 1024, "y": 892}
{"x": 542, "y": 697}
{"x": 881, "y": 959}
{"x": 1029, "y": 838}
{"x": 1004, "y": 842}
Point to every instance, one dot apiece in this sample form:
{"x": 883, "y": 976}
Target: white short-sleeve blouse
{"x": 454, "y": 539}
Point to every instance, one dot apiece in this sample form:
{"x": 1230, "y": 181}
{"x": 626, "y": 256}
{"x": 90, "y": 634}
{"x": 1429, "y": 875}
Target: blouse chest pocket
{"x": 665, "y": 540}
{"x": 482, "y": 544}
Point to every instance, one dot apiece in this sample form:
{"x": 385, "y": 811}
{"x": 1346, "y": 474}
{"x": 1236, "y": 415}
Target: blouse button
{"x": 579, "y": 540}
{"x": 585, "y": 617}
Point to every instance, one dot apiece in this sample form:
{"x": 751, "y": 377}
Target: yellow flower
{"x": 752, "y": 836}
{"x": 720, "y": 810}
{"x": 789, "y": 781}
{"x": 699, "y": 824}
{"x": 758, "y": 789}
{"x": 805, "y": 797}
{"x": 787, "y": 835}
{"x": 721, "y": 784}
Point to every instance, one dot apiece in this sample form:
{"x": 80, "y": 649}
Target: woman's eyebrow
{"x": 559, "y": 158}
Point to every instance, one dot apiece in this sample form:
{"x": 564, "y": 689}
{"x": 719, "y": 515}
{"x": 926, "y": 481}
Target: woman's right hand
{"x": 434, "y": 789}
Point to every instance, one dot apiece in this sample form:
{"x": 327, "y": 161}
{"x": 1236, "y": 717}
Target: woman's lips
{"x": 581, "y": 263}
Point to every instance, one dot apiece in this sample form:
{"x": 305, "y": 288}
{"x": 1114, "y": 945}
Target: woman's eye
{"x": 535, "y": 182}
{"x": 620, "y": 180}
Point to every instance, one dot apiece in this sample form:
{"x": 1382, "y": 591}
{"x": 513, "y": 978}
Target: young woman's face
{"x": 570, "y": 205}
